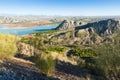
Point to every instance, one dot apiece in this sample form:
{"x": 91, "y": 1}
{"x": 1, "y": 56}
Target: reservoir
{"x": 25, "y": 30}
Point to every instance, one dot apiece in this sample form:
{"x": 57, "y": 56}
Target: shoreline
{"x": 28, "y": 24}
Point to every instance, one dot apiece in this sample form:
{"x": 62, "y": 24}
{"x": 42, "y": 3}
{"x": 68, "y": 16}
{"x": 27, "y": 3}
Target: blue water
{"x": 24, "y": 31}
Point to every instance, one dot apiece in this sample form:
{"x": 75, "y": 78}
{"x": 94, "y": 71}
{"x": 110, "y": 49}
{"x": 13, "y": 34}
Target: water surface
{"x": 24, "y": 31}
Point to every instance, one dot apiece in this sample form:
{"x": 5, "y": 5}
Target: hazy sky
{"x": 60, "y": 7}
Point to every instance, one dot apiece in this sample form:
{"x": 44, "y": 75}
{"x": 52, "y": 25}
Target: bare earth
{"x": 20, "y": 69}
{"x": 27, "y": 24}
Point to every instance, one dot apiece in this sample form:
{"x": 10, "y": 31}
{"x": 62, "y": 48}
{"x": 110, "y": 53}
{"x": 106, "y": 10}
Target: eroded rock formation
{"x": 26, "y": 49}
{"x": 68, "y": 25}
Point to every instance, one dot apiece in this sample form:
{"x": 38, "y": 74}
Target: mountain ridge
{"x": 96, "y": 32}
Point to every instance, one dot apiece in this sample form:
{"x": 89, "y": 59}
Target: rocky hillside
{"x": 68, "y": 25}
{"x": 104, "y": 27}
{"x": 96, "y": 32}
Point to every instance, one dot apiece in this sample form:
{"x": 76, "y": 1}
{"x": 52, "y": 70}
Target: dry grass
{"x": 7, "y": 46}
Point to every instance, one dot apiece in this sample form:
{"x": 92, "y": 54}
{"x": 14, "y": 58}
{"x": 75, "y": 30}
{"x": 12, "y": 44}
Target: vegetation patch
{"x": 46, "y": 64}
{"x": 83, "y": 52}
{"x": 56, "y": 49}
{"x": 107, "y": 64}
{"x": 8, "y": 46}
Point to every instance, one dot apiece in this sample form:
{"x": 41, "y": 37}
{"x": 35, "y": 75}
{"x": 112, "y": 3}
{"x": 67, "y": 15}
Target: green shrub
{"x": 81, "y": 63}
{"x": 107, "y": 64}
{"x": 7, "y": 46}
{"x": 7, "y": 50}
{"x": 56, "y": 49}
{"x": 83, "y": 52}
{"x": 46, "y": 64}
{"x": 87, "y": 63}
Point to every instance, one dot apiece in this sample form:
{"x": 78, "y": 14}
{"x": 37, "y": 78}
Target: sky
{"x": 61, "y": 7}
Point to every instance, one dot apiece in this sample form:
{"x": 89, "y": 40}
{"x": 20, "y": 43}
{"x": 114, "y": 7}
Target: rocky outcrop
{"x": 68, "y": 25}
{"x": 102, "y": 28}
{"x": 87, "y": 37}
{"x": 26, "y": 49}
{"x": 92, "y": 33}
{"x": 97, "y": 32}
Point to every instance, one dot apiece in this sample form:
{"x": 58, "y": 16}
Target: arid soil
{"x": 21, "y": 69}
{"x": 28, "y": 24}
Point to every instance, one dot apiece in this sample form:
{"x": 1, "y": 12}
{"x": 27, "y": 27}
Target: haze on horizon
{"x": 61, "y": 7}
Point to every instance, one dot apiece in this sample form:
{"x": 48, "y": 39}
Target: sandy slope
{"x": 28, "y": 24}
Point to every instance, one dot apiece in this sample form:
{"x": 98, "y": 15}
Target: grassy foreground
{"x": 8, "y": 46}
